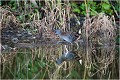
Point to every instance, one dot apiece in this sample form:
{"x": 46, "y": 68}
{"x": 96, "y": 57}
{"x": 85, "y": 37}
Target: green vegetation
{"x": 40, "y": 62}
{"x": 95, "y": 7}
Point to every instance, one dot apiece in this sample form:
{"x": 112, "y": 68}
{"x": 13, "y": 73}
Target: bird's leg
{"x": 77, "y": 45}
{"x": 71, "y": 43}
{"x": 66, "y": 50}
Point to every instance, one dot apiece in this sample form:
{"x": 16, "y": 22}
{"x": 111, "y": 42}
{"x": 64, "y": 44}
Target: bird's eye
{"x": 15, "y": 40}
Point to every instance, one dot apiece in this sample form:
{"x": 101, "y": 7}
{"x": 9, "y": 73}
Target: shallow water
{"x": 40, "y": 62}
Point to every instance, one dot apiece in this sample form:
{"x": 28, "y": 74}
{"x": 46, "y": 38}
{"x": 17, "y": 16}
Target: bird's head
{"x": 58, "y": 31}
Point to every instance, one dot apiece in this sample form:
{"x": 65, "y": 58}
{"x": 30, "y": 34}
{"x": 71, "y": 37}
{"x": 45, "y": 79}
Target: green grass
{"x": 40, "y": 63}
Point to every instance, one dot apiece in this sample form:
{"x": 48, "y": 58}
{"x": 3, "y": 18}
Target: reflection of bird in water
{"x": 67, "y": 57}
{"x": 68, "y": 36}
